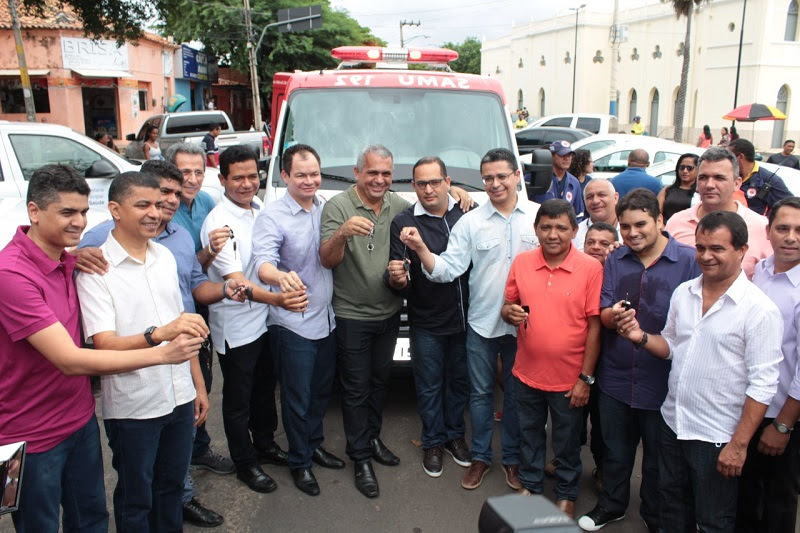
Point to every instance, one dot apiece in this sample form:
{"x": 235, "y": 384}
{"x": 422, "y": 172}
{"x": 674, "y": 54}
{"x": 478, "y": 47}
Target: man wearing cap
{"x": 565, "y": 186}
{"x": 635, "y": 176}
{"x": 637, "y": 128}
{"x": 763, "y": 188}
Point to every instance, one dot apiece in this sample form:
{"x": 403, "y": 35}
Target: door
{"x": 654, "y": 114}
{"x": 779, "y": 127}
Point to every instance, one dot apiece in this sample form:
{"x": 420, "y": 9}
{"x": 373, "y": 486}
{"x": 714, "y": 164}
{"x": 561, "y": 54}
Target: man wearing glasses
{"x": 489, "y": 237}
{"x": 565, "y": 186}
{"x": 437, "y": 316}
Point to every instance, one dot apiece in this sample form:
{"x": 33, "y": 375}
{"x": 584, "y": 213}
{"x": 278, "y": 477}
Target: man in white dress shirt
{"x": 601, "y": 200}
{"x": 239, "y": 331}
{"x": 148, "y": 414}
{"x": 723, "y": 336}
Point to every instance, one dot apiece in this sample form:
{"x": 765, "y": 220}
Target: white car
{"x": 594, "y": 122}
{"x": 27, "y": 146}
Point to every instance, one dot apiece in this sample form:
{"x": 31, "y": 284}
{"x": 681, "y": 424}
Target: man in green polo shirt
{"x": 355, "y": 244}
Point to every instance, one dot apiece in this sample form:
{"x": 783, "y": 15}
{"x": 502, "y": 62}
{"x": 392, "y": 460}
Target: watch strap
{"x": 148, "y": 336}
{"x": 781, "y": 427}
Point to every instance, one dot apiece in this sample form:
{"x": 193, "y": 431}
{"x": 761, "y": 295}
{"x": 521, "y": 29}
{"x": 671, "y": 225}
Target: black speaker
{"x": 522, "y": 514}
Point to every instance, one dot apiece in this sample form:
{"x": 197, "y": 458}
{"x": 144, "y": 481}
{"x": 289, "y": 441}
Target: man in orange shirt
{"x": 553, "y": 289}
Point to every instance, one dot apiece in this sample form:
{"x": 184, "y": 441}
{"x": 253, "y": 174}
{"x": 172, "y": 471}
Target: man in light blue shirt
{"x": 768, "y": 488}
{"x": 489, "y": 237}
{"x": 286, "y": 240}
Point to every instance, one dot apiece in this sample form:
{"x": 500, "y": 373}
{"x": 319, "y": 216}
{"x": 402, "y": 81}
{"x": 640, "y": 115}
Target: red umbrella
{"x": 753, "y": 112}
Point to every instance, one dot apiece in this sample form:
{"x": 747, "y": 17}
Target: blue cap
{"x": 561, "y": 148}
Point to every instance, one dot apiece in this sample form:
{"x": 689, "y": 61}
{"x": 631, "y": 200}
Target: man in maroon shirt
{"x": 45, "y": 398}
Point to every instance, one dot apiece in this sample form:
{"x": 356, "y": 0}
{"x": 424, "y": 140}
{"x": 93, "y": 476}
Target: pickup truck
{"x": 191, "y": 126}
{"x": 26, "y": 146}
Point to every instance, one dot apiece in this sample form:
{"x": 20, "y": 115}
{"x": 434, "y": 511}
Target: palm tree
{"x": 683, "y": 8}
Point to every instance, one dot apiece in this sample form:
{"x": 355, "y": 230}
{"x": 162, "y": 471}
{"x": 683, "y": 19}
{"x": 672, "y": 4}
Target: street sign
{"x": 312, "y": 16}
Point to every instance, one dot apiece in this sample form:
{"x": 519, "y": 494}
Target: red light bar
{"x": 373, "y": 54}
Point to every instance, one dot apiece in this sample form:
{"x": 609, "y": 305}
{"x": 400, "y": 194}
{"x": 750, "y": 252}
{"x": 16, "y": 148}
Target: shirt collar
{"x": 117, "y": 254}
{"x": 755, "y": 169}
{"x": 670, "y": 251}
{"x": 793, "y": 274}
{"x": 295, "y": 207}
{"x": 353, "y": 195}
{"x": 523, "y": 204}
{"x": 735, "y": 292}
{"x": 239, "y": 211}
{"x": 419, "y": 210}
{"x": 42, "y": 261}
{"x": 568, "y": 264}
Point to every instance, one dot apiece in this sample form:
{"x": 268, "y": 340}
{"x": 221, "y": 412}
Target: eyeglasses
{"x": 422, "y": 185}
{"x": 500, "y": 178}
{"x": 686, "y": 167}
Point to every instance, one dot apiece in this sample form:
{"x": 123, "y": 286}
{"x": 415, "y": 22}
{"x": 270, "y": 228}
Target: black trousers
{"x": 248, "y": 399}
{"x": 768, "y": 487}
{"x": 365, "y": 351}
{"x": 202, "y": 440}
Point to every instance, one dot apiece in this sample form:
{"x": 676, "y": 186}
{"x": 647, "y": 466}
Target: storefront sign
{"x": 194, "y": 65}
{"x": 99, "y": 55}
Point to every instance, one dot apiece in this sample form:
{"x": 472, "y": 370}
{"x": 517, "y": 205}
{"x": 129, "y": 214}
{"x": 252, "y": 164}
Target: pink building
{"x": 90, "y": 86}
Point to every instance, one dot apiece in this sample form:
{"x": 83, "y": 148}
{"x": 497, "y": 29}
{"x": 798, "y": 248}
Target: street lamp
{"x": 575, "y": 53}
{"x": 415, "y": 36}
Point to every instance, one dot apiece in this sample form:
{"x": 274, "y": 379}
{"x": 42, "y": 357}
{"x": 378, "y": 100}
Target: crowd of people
{"x": 585, "y": 300}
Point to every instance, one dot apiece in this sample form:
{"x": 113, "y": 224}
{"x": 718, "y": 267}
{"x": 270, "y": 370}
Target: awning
{"x": 91, "y": 73}
{"x": 31, "y": 72}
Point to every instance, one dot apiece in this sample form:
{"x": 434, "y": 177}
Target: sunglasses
{"x": 686, "y": 167}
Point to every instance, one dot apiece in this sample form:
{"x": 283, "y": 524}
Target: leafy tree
{"x": 683, "y": 8}
{"x": 220, "y": 26}
{"x": 469, "y": 55}
{"x": 122, "y": 20}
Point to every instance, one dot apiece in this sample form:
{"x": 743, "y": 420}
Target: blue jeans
{"x": 532, "y": 408}
{"x": 623, "y": 427}
{"x": 439, "y": 363}
{"x": 482, "y": 365}
{"x": 71, "y": 474}
{"x": 693, "y": 494}
{"x": 151, "y": 457}
{"x": 188, "y": 482}
{"x": 305, "y": 369}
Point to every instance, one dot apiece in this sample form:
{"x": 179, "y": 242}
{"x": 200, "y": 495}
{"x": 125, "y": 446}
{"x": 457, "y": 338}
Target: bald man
{"x": 635, "y": 176}
{"x": 600, "y": 199}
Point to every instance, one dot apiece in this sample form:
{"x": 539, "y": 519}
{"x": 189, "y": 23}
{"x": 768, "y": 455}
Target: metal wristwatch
{"x": 148, "y": 336}
{"x": 589, "y": 380}
{"x": 782, "y": 428}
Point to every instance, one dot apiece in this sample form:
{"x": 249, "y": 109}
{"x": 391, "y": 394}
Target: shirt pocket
{"x": 488, "y": 251}
{"x": 528, "y": 242}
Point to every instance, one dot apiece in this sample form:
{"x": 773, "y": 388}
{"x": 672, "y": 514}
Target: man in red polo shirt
{"x": 553, "y": 296}
{"x": 45, "y": 398}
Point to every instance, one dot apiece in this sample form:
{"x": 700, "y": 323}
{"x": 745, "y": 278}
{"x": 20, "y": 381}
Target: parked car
{"x": 665, "y": 171}
{"x": 27, "y": 146}
{"x": 533, "y": 137}
{"x": 610, "y": 152}
{"x": 191, "y": 126}
{"x": 594, "y": 122}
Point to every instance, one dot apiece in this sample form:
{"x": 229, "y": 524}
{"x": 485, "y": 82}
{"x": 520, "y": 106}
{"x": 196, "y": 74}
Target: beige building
{"x": 535, "y": 65}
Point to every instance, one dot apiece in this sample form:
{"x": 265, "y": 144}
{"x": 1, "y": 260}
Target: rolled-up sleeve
{"x": 763, "y": 354}
{"x": 669, "y": 330}
{"x": 456, "y": 259}
{"x": 267, "y": 239}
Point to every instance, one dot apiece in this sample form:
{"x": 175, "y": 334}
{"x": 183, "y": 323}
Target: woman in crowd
{"x": 150, "y": 147}
{"x": 705, "y": 140}
{"x": 582, "y": 165}
{"x": 725, "y": 140}
{"x": 678, "y": 196}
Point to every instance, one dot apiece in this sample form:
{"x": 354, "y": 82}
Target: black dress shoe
{"x": 366, "y": 482}
{"x": 326, "y": 459}
{"x": 197, "y": 515}
{"x": 256, "y": 479}
{"x": 304, "y": 480}
{"x": 382, "y": 454}
{"x": 273, "y": 455}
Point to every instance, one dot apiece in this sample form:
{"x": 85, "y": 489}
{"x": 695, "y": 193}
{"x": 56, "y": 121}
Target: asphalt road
{"x": 410, "y": 501}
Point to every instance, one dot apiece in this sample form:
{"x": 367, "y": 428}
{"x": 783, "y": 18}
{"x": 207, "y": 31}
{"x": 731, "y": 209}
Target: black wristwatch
{"x": 589, "y": 380}
{"x": 781, "y": 427}
{"x": 642, "y": 342}
{"x": 148, "y": 336}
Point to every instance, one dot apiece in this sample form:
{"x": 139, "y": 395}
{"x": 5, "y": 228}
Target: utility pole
{"x": 27, "y": 92}
{"x": 739, "y": 60}
{"x": 575, "y": 53}
{"x": 406, "y": 23}
{"x": 612, "y": 100}
{"x": 251, "y": 56}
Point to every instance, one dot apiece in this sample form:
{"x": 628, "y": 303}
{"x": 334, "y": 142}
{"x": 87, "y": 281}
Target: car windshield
{"x": 458, "y": 126}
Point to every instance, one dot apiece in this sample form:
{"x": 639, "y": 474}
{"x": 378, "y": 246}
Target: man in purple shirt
{"x": 633, "y": 384}
{"x": 45, "y": 398}
{"x": 768, "y": 488}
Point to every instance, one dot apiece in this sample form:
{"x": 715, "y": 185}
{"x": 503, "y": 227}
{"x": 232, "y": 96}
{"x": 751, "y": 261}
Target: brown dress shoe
{"x": 512, "y": 476}
{"x": 567, "y": 507}
{"x": 474, "y": 475}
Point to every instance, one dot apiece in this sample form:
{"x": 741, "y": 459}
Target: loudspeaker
{"x": 522, "y": 514}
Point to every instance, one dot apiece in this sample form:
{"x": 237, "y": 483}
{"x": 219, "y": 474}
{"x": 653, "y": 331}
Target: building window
{"x": 791, "y": 22}
{"x": 12, "y": 100}
{"x": 632, "y": 108}
{"x": 142, "y": 99}
{"x": 541, "y": 102}
{"x": 779, "y": 128}
{"x": 519, "y": 99}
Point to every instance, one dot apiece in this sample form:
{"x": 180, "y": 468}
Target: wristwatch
{"x": 589, "y": 380}
{"x": 642, "y": 342}
{"x": 148, "y": 336}
{"x": 782, "y": 428}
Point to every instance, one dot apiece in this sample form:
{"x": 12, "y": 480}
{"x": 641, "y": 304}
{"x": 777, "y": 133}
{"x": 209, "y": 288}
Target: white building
{"x": 535, "y": 65}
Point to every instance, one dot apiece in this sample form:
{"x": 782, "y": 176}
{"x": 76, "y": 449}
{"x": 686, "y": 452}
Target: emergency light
{"x": 374, "y": 54}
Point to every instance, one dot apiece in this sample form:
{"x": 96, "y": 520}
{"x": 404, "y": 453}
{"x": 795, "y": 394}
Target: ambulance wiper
{"x": 336, "y": 177}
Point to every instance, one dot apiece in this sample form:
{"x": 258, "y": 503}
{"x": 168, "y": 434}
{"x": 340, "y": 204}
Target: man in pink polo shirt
{"x": 45, "y": 398}
{"x": 553, "y": 296}
{"x": 717, "y": 180}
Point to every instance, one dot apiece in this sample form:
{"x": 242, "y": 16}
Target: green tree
{"x": 220, "y": 26}
{"x": 683, "y": 8}
{"x": 469, "y": 55}
{"x": 122, "y": 20}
